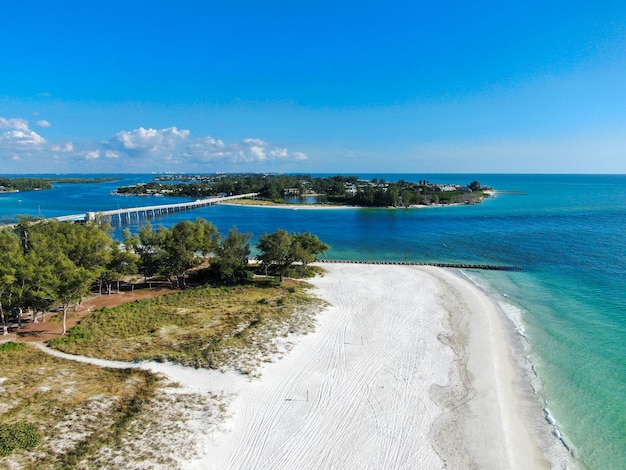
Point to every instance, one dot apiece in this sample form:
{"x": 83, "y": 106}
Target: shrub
{"x": 20, "y": 435}
{"x": 11, "y": 347}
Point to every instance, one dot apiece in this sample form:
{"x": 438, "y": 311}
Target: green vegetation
{"x": 63, "y": 180}
{"x": 35, "y": 184}
{"x": 23, "y": 184}
{"x": 20, "y": 435}
{"x": 278, "y": 251}
{"x": 46, "y": 263}
{"x": 229, "y": 265}
{"x": 172, "y": 252}
{"x": 335, "y": 189}
{"x": 211, "y": 327}
{"x": 65, "y": 414}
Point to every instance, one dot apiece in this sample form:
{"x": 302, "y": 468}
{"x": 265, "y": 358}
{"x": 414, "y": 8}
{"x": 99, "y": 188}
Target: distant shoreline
{"x": 319, "y": 206}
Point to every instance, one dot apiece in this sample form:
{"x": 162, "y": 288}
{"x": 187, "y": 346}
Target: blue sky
{"x": 341, "y": 86}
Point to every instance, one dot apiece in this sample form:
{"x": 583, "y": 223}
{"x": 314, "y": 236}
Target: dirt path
{"x": 51, "y": 327}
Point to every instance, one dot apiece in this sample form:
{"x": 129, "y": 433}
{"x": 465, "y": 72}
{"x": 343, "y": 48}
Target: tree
{"x": 207, "y": 237}
{"x": 186, "y": 244}
{"x": 276, "y": 252}
{"x": 73, "y": 284}
{"x": 179, "y": 248}
{"x": 231, "y": 257}
{"x": 68, "y": 256}
{"x": 393, "y": 195}
{"x": 279, "y": 250}
{"x": 86, "y": 245}
{"x": 474, "y": 186}
{"x": 37, "y": 279}
{"x": 407, "y": 197}
{"x": 172, "y": 252}
{"x": 307, "y": 246}
{"x": 10, "y": 259}
{"x": 148, "y": 245}
{"x": 120, "y": 262}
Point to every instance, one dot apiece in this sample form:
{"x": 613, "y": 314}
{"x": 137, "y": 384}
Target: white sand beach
{"x": 408, "y": 368}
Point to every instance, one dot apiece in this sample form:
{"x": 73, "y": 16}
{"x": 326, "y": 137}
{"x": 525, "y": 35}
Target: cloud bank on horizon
{"x": 138, "y": 150}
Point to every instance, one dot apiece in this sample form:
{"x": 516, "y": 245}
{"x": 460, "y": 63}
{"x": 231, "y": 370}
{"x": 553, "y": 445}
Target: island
{"x": 14, "y": 185}
{"x": 307, "y": 189}
{"x": 18, "y": 184}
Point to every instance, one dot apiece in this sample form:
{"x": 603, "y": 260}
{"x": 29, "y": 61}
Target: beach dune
{"x": 408, "y": 368}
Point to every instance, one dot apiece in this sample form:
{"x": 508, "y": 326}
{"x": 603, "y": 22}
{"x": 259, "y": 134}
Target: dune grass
{"x": 212, "y": 327}
{"x": 57, "y": 413}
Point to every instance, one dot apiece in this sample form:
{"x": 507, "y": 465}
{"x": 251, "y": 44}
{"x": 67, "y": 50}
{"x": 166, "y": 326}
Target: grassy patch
{"x": 64, "y": 414}
{"x": 201, "y": 327}
{"x": 67, "y": 403}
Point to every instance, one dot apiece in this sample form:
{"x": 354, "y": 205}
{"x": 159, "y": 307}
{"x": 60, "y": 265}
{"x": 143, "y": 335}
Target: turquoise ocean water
{"x": 568, "y": 305}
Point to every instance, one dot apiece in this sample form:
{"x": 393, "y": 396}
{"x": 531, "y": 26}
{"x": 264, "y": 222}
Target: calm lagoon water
{"x": 568, "y": 305}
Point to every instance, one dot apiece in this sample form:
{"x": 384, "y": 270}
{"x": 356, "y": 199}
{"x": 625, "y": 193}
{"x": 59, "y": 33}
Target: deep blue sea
{"x": 568, "y": 305}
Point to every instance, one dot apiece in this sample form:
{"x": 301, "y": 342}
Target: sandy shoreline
{"x": 485, "y": 423}
{"x": 409, "y": 368}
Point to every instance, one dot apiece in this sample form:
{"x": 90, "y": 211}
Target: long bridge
{"x": 136, "y": 214}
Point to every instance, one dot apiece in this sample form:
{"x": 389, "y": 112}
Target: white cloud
{"x": 62, "y": 147}
{"x": 14, "y": 123}
{"x": 18, "y": 135}
{"x": 92, "y": 154}
{"x": 248, "y": 150}
{"x": 18, "y": 138}
{"x": 177, "y": 145}
{"x": 141, "y": 149}
{"x": 148, "y": 140}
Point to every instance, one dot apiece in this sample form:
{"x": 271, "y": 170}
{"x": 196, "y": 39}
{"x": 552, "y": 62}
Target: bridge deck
{"x": 128, "y": 214}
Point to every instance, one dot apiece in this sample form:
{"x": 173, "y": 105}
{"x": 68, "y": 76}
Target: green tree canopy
{"x": 172, "y": 252}
{"x": 231, "y": 257}
{"x": 61, "y": 261}
{"x": 276, "y": 251}
{"x": 307, "y": 246}
{"x": 279, "y": 250}
{"x": 474, "y": 185}
{"x": 11, "y": 258}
